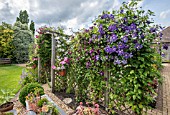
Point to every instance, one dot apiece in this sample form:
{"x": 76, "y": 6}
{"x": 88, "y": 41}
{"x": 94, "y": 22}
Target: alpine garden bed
{"x": 44, "y": 106}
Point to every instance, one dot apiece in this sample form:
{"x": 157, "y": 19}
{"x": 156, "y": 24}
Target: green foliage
{"x": 119, "y": 43}
{"x": 21, "y": 41}
{"x": 32, "y": 27}
{"x": 23, "y": 17}
{"x": 6, "y": 95}
{"x": 30, "y": 87}
{"x": 6, "y": 37}
{"x": 30, "y": 76}
{"x": 54, "y": 110}
{"x": 8, "y": 113}
{"x": 41, "y": 102}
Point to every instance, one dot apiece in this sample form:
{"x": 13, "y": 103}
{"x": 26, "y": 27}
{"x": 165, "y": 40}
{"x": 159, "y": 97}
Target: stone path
{"x": 166, "y": 89}
{"x": 164, "y": 104}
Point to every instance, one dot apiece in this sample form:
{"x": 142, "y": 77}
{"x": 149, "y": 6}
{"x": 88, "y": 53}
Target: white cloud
{"x": 164, "y": 14}
{"x": 141, "y": 3}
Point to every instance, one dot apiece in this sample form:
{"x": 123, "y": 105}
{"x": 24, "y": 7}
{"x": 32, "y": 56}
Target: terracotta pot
{"x": 62, "y": 72}
{"x": 6, "y": 106}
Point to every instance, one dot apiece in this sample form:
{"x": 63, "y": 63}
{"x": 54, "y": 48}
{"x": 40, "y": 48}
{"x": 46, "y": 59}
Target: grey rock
{"x": 67, "y": 100}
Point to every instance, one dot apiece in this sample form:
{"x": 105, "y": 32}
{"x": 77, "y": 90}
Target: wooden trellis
{"x": 54, "y": 36}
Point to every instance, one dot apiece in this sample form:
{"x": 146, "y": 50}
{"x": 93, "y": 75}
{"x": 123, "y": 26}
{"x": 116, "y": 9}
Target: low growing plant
{"x": 6, "y": 95}
{"x": 42, "y": 101}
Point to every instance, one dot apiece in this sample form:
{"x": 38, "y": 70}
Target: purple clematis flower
{"x": 134, "y": 35}
{"x": 127, "y": 55}
{"x": 104, "y": 16}
{"x": 132, "y": 26}
{"x": 91, "y": 28}
{"x": 121, "y": 11}
{"x": 152, "y": 29}
{"x": 163, "y": 55}
{"x": 120, "y": 52}
{"x": 142, "y": 36}
{"x": 125, "y": 20}
{"x": 97, "y": 57}
{"x": 138, "y": 46}
{"x": 125, "y": 39}
{"x": 101, "y": 73}
{"x": 117, "y": 61}
{"x": 113, "y": 38}
{"x": 113, "y": 49}
{"x": 160, "y": 35}
{"x": 94, "y": 36}
{"x": 124, "y": 62}
{"x": 121, "y": 45}
{"x": 148, "y": 22}
{"x": 107, "y": 49}
{"x": 111, "y": 16}
{"x": 101, "y": 31}
{"x": 165, "y": 46}
{"x": 135, "y": 41}
{"x": 112, "y": 27}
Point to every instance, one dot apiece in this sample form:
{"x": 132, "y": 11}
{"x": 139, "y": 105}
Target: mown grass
{"x": 10, "y": 77}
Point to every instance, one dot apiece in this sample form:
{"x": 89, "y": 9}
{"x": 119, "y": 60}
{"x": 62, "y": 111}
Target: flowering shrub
{"x": 43, "y": 47}
{"x": 119, "y": 42}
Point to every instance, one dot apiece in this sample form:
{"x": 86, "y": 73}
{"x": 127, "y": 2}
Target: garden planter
{"x": 62, "y": 72}
{"x": 6, "y": 106}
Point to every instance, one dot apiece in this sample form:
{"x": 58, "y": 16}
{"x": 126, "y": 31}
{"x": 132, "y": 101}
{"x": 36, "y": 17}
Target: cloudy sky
{"x": 74, "y": 14}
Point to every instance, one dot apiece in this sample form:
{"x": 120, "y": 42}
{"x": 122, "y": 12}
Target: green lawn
{"x": 10, "y": 77}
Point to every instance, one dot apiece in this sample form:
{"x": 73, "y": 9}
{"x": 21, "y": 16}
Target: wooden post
{"x": 107, "y": 76}
{"x": 53, "y": 63}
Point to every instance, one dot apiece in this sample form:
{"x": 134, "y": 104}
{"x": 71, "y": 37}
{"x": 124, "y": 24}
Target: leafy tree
{"x": 23, "y": 17}
{"x": 6, "y": 37}
{"x": 32, "y": 27}
{"x": 22, "y": 40}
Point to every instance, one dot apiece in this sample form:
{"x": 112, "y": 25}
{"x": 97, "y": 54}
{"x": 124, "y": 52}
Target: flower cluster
{"x": 82, "y": 110}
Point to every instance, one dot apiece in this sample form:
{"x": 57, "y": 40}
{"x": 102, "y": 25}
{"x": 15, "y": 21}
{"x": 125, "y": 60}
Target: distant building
{"x": 166, "y": 40}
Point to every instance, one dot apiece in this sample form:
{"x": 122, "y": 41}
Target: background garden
{"x": 113, "y": 63}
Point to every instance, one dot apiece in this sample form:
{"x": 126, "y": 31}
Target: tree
{"x": 23, "y": 17}
{"x": 22, "y": 40}
{"x": 32, "y": 27}
{"x": 6, "y": 37}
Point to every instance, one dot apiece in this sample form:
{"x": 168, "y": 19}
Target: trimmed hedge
{"x": 28, "y": 89}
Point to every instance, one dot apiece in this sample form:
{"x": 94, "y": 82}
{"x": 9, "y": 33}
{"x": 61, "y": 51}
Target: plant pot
{"x": 62, "y": 72}
{"x": 6, "y": 106}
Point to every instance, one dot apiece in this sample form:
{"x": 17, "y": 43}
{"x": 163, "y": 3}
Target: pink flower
{"x": 81, "y": 103}
{"x": 66, "y": 59}
{"x": 53, "y": 67}
{"x": 37, "y": 36}
{"x": 62, "y": 62}
{"x": 35, "y": 59}
{"x": 96, "y": 105}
